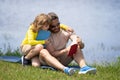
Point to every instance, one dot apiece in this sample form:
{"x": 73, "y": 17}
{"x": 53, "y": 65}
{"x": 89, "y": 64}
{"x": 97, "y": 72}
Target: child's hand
{"x": 47, "y": 41}
{"x": 70, "y": 30}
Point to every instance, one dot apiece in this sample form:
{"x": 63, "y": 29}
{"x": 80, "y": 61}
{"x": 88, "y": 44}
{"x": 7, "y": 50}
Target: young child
{"x": 31, "y": 47}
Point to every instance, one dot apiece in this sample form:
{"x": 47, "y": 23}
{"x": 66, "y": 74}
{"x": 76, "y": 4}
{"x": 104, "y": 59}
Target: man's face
{"x": 55, "y": 26}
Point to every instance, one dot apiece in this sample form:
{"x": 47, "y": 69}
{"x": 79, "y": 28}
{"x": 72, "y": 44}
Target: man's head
{"x": 53, "y": 16}
{"x": 55, "y": 24}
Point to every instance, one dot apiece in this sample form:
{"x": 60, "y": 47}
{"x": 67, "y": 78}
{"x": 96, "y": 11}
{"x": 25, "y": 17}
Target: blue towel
{"x": 43, "y": 35}
{"x": 16, "y": 59}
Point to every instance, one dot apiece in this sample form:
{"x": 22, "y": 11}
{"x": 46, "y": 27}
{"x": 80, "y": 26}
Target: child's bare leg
{"x": 29, "y": 53}
{"x": 36, "y": 61}
{"x": 25, "y": 49}
{"x": 35, "y": 50}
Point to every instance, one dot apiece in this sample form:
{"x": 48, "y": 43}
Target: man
{"x": 59, "y": 38}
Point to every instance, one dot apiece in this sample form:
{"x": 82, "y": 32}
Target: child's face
{"x": 45, "y": 27}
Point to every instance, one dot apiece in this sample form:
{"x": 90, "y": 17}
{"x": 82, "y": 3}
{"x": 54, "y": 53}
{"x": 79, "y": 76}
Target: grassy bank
{"x": 15, "y": 71}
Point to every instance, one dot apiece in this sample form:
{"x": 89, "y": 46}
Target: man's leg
{"x": 65, "y": 60}
{"x": 79, "y": 58}
{"x": 52, "y": 61}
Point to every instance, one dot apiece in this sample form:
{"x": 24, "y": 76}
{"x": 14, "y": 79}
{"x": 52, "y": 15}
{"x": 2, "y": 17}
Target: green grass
{"x": 15, "y": 71}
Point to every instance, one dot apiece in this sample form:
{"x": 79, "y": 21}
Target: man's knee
{"x": 44, "y": 53}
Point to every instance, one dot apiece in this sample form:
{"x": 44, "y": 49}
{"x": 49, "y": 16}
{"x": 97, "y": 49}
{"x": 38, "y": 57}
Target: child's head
{"x": 41, "y": 22}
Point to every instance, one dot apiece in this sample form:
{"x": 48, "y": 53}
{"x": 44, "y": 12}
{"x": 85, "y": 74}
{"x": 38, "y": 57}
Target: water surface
{"x": 95, "y": 21}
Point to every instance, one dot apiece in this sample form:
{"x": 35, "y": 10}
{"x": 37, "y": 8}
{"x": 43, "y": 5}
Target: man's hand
{"x": 73, "y": 50}
{"x": 80, "y": 43}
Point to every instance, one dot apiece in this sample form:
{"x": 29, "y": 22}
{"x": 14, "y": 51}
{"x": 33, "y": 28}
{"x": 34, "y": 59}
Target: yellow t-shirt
{"x": 30, "y": 37}
{"x": 64, "y": 27}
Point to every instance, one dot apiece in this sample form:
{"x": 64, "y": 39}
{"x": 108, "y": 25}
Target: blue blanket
{"x": 11, "y": 59}
{"x": 16, "y": 59}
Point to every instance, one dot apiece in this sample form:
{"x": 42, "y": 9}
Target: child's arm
{"x": 66, "y": 28}
{"x": 32, "y": 38}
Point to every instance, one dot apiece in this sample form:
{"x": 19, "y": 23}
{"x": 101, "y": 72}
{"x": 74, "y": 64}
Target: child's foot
{"x": 88, "y": 70}
{"x": 69, "y": 71}
{"x": 25, "y": 61}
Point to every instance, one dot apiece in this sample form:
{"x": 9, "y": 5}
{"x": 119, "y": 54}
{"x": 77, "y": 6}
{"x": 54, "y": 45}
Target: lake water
{"x": 97, "y": 22}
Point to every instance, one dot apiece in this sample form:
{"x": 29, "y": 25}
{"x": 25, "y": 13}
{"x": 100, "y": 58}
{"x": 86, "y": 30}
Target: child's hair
{"x": 53, "y": 16}
{"x": 41, "y": 19}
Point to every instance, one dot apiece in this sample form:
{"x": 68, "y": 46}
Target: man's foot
{"x": 87, "y": 70}
{"x": 25, "y": 61}
{"x": 69, "y": 71}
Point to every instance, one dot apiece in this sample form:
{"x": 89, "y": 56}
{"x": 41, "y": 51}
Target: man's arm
{"x": 74, "y": 39}
{"x": 77, "y": 40}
